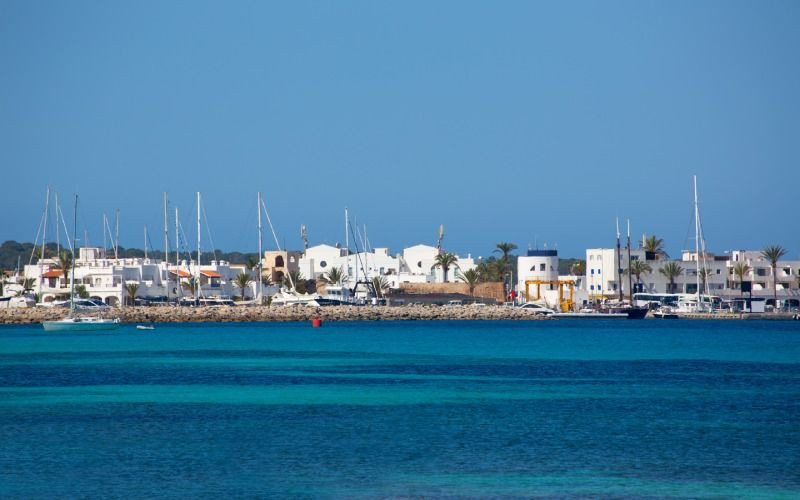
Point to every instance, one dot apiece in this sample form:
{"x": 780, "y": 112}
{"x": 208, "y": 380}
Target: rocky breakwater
{"x": 278, "y": 313}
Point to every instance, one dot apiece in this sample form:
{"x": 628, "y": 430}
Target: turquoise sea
{"x": 632, "y": 409}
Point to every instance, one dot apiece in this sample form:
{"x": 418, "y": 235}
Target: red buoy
{"x": 316, "y": 322}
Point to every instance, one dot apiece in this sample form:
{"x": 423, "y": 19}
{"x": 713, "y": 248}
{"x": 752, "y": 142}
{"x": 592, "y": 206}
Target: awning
{"x": 211, "y": 274}
{"x": 181, "y": 273}
{"x": 53, "y": 274}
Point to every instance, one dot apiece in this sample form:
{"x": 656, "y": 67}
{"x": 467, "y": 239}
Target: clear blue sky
{"x": 505, "y": 121}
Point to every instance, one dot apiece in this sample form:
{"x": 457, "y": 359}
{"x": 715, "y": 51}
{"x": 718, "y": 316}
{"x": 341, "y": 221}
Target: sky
{"x": 537, "y": 123}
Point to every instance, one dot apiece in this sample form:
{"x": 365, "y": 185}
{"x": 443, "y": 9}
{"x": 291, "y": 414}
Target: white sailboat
{"x": 698, "y": 302}
{"x": 72, "y": 322}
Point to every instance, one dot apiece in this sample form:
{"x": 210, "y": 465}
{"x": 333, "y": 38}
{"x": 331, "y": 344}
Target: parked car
{"x": 537, "y": 309}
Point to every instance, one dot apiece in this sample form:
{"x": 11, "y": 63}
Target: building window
{"x": 279, "y": 261}
{"x": 542, "y": 267}
{"x": 592, "y": 270}
{"x": 591, "y": 287}
{"x": 323, "y": 264}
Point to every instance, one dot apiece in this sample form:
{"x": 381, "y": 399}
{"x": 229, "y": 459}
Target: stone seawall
{"x": 277, "y": 313}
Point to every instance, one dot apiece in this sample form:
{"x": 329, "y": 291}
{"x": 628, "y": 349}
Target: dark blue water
{"x": 458, "y": 409}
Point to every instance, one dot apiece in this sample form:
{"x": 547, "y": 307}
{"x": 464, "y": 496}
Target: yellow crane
{"x": 565, "y": 303}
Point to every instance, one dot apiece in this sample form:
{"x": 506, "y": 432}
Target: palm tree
{"x": 27, "y": 284}
{"x": 131, "y": 289}
{"x": 703, "y": 278}
{"x": 296, "y": 278}
{"x": 242, "y": 281}
{"x": 740, "y": 270}
{"x": 334, "y": 277}
{"x": 578, "y": 268}
{"x": 80, "y": 291}
{"x": 671, "y": 270}
{"x": 638, "y": 268}
{"x": 505, "y": 248}
{"x": 773, "y": 254}
{"x": 65, "y": 263}
{"x": 445, "y": 260}
{"x": 471, "y": 278}
{"x": 655, "y": 245}
{"x": 190, "y": 286}
{"x": 251, "y": 263}
{"x": 381, "y": 285}
{"x": 491, "y": 270}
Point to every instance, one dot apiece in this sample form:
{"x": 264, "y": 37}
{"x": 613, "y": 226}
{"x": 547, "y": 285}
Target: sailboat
{"x": 699, "y": 303}
{"x": 73, "y": 323}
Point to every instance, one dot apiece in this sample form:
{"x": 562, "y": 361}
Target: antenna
{"x": 304, "y": 235}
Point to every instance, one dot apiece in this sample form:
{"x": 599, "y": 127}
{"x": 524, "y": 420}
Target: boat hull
{"x": 80, "y": 326}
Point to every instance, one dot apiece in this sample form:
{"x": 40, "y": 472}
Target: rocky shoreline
{"x": 305, "y": 313}
{"x": 278, "y": 313}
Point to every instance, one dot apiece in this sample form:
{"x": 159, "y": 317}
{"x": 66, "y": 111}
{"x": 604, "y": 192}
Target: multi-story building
{"x": 602, "y": 280}
{"x": 414, "y": 265}
{"x": 105, "y": 278}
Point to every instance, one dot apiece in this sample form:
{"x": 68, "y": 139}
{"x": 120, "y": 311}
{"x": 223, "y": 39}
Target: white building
{"x": 542, "y": 266}
{"x": 601, "y": 279}
{"x": 105, "y": 278}
{"x": 414, "y": 265}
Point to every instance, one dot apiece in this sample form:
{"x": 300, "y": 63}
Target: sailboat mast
{"x": 145, "y": 242}
{"x": 177, "y": 239}
{"x": 260, "y": 250}
{"x": 197, "y": 285}
{"x": 166, "y": 231}
{"x": 166, "y": 246}
{"x": 44, "y": 239}
{"x": 58, "y": 239}
{"x": 630, "y": 275}
{"x": 74, "y": 231}
{"x": 619, "y": 264}
{"x": 697, "y": 241}
{"x": 116, "y": 237}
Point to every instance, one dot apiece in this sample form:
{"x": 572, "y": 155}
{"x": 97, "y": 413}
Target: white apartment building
{"x": 601, "y": 280}
{"x": 414, "y": 265}
{"x": 105, "y": 278}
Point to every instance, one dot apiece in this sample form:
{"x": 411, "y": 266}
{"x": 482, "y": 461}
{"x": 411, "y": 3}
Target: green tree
{"x": 65, "y": 264}
{"x": 333, "y": 277}
{"x": 703, "y": 273}
{"x": 300, "y": 284}
{"x": 80, "y": 290}
{"x": 251, "y": 263}
{"x": 773, "y": 254}
{"x": 740, "y": 270}
{"x": 505, "y": 248}
{"x": 671, "y": 270}
{"x": 445, "y": 260}
{"x": 638, "y": 268}
{"x": 471, "y": 277}
{"x": 491, "y": 270}
{"x": 190, "y": 285}
{"x": 655, "y": 245}
{"x": 578, "y": 268}
{"x": 242, "y": 281}
{"x": 27, "y": 284}
{"x": 131, "y": 289}
{"x": 381, "y": 285}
